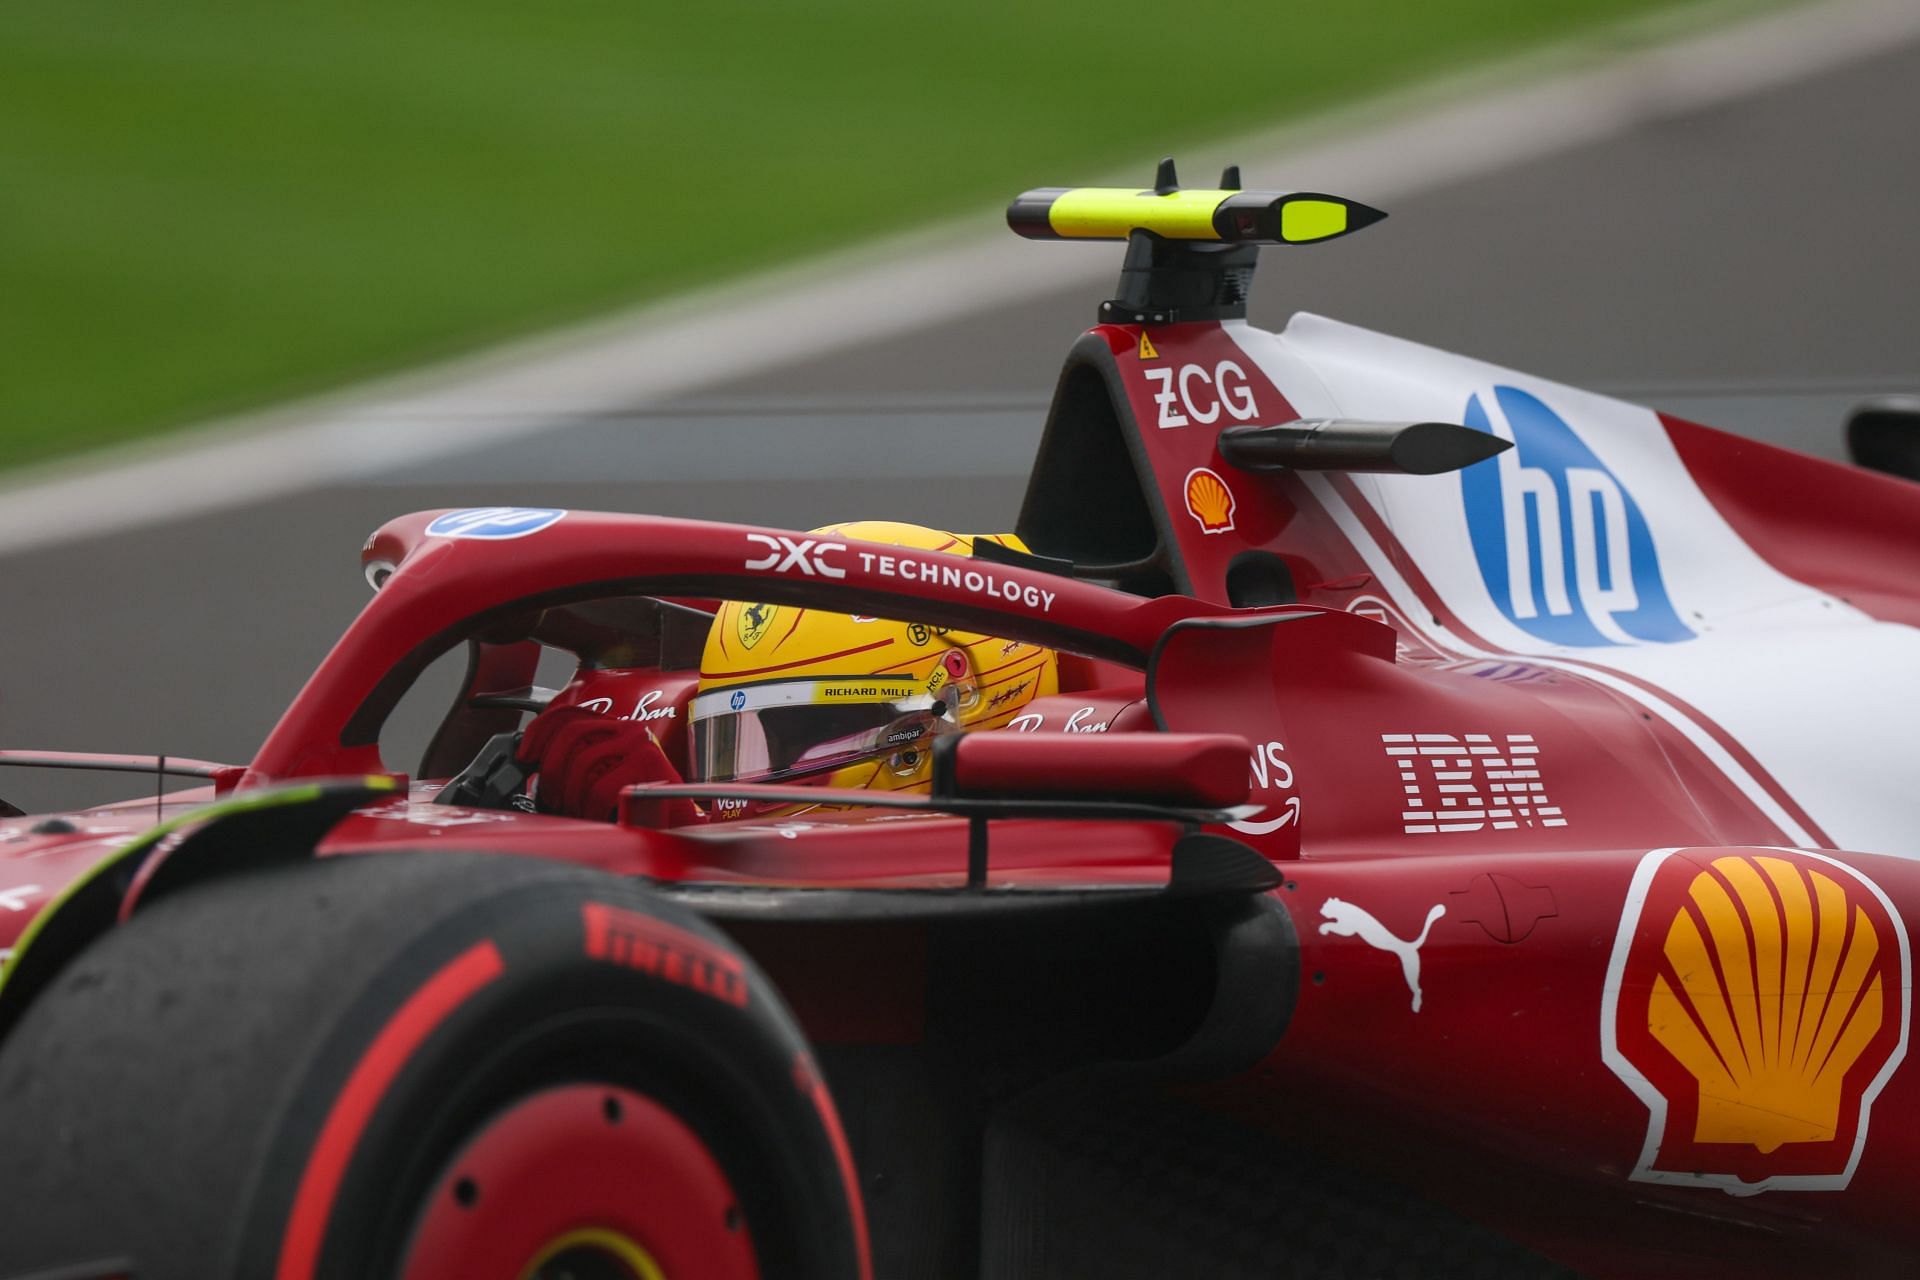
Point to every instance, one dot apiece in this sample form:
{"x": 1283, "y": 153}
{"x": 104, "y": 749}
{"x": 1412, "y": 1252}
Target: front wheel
{"x": 420, "y": 1066}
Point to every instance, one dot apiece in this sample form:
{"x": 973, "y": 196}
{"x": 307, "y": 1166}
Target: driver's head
{"x": 791, "y": 695}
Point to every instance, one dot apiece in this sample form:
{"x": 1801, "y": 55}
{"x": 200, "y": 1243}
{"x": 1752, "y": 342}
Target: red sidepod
{"x": 1518, "y": 1036}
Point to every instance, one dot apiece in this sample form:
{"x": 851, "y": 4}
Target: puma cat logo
{"x": 1344, "y": 920}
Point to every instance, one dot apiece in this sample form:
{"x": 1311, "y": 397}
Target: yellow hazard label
{"x": 1146, "y": 347}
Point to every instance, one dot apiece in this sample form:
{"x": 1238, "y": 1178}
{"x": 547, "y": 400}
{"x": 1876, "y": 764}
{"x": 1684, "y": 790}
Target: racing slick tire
{"x": 419, "y": 1066}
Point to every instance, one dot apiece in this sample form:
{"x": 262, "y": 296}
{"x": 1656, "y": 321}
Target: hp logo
{"x": 494, "y": 523}
{"x": 1562, "y": 546}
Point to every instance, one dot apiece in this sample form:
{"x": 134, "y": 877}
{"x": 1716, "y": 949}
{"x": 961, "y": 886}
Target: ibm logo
{"x": 1562, "y": 547}
{"x": 1468, "y": 782}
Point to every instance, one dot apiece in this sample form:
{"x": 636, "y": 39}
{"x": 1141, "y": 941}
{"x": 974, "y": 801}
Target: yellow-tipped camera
{"x": 1222, "y": 215}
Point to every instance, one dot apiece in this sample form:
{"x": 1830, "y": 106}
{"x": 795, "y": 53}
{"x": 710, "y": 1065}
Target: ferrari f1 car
{"x": 1469, "y": 835}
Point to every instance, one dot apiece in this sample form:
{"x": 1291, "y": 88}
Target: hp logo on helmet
{"x": 1562, "y": 546}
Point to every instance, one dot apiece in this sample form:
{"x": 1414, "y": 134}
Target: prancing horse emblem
{"x": 754, "y": 621}
{"x": 1344, "y": 920}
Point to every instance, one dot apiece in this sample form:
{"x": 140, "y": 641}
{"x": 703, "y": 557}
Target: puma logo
{"x": 1344, "y": 920}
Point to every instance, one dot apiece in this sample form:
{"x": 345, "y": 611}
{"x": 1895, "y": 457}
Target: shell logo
{"x": 1209, "y": 501}
{"x": 1757, "y": 1003}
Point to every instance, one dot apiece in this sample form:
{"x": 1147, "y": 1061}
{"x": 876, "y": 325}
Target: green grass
{"x": 206, "y": 206}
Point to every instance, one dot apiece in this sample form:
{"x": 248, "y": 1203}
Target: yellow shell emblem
{"x": 753, "y": 622}
{"x": 1758, "y": 1003}
{"x": 1209, "y": 500}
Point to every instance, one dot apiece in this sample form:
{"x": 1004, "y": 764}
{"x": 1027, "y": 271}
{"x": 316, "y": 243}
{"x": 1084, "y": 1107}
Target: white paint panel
{"x": 1821, "y": 694}
{"x": 1396, "y": 586}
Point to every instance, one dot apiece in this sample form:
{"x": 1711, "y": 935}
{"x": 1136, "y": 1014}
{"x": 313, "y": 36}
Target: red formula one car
{"x": 1468, "y": 834}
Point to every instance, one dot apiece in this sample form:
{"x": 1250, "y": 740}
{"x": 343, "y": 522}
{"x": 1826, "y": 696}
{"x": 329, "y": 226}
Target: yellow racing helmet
{"x": 791, "y": 695}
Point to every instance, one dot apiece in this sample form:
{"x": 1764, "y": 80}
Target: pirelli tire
{"x": 419, "y": 1066}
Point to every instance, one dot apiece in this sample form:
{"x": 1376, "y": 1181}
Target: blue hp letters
{"x": 1562, "y": 546}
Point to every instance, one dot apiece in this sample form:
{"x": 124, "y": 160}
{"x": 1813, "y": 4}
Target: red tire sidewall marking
{"x": 425, "y": 1010}
{"x": 575, "y": 1157}
{"x": 807, "y": 1079}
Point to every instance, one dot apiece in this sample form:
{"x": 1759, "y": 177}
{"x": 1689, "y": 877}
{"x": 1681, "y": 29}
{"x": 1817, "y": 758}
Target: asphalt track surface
{"x": 1753, "y": 265}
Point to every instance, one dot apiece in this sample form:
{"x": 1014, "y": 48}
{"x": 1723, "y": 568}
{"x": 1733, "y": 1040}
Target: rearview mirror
{"x": 1171, "y": 770}
{"x": 1883, "y": 434}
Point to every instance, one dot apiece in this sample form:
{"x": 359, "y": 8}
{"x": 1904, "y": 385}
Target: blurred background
{"x": 271, "y": 275}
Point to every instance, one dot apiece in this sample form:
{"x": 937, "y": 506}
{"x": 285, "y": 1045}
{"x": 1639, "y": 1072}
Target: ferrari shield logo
{"x": 753, "y": 622}
{"x": 1757, "y": 1003}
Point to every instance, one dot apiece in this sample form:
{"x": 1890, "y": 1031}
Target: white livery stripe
{"x": 1396, "y": 586}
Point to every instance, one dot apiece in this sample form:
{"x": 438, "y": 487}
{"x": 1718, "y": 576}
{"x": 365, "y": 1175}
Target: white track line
{"x": 1447, "y": 132}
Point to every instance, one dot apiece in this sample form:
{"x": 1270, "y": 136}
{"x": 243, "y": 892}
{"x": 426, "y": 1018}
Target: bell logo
{"x": 1562, "y": 547}
{"x": 1757, "y": 1003}
{"x": 1209, "y": 501}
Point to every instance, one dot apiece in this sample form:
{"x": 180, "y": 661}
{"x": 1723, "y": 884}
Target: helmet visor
{"x": 795, "y": 728}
